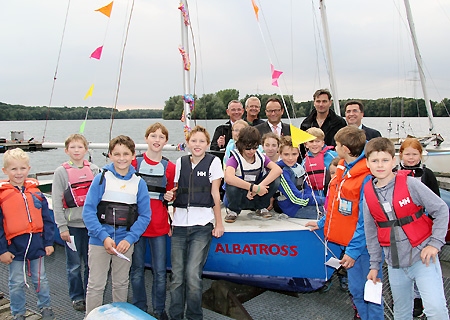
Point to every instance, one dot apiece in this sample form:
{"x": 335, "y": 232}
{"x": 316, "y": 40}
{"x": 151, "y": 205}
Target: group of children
{"x": 112, "y": 214}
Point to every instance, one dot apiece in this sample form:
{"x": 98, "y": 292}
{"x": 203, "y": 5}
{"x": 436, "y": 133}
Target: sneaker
{"x": 79, "y": 305}
{"x": 161, "y": 316}
{"x": 418, "y": 308}
{"x": 231, "y": 216}
{"x": 19, "y": 317}
{"x": 47, "y": 314}
{"x": 343, "y": 283}
{"x": 264, "y": 213}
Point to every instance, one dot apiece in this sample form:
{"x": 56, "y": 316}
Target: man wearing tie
{"x": 274, "y": 112}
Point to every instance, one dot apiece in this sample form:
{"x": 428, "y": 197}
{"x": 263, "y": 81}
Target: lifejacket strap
{"x": 400, "y": 222}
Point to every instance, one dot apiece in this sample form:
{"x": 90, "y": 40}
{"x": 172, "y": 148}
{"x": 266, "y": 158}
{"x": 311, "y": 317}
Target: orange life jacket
{"x": 80, "y": 180}
{"x": 416, "y": 225}
{"x": 343, "y": 204}
{"x": 315, "y": 169}
{"x": 20, "y": 215}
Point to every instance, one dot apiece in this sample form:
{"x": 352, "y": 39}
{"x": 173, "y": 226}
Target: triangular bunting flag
{"x": 256, "y": 9}
{"x": 106, "y": 10}
{"x": 89, "y": 93}
{"x": 82, "y": 127}
{"x": 97, "y": 53}
{"x": 275, "y": 75}
{"x": 299, "y": 136}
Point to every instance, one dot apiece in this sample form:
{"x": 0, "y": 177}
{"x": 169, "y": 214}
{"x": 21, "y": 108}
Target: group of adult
{"x": 322, "y": 116}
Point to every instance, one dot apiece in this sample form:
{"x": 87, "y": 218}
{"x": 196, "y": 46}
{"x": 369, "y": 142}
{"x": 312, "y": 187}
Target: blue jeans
{"x": 236, "y": 198}
{"x": 429, "y": 283}
{"x": 77, "y": 282}
{"x": 308, "y": 212}
{"x": 17, "y": 284}
{"x": 190, "y": 247}
{"x": 137, "y": 273}
{"x": 357, "y": 277}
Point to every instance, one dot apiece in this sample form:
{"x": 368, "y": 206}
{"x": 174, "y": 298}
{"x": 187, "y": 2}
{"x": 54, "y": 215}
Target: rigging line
{"x": 120, "y": 69}
{"x": 195, "y": 61}
{"x": 200, "y": 58}
{"x": 56, "y": 70}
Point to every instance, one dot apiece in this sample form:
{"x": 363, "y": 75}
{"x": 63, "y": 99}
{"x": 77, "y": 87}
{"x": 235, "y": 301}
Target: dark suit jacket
{"x": 371, "y": 133}
{"x": 264, "y": 128}
{"x": 222, "y": 130}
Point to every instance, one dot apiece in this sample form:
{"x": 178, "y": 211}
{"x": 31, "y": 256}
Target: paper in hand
{"x": 71, "y": 244}
{"x": 333, "y": 262}
{"x": 120, "y": 255}
{"x": 373, "y": 292}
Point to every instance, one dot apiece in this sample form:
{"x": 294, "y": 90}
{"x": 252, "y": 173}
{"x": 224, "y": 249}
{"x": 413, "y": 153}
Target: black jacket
{"x": 223, "y": 129}
{"x": 330, "y": 126}
{"x": 264, "y": 128}
{"x": 371, "y": 133}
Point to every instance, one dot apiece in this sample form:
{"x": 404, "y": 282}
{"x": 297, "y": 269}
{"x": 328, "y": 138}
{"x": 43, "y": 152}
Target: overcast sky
{"x": 372, "y": 52}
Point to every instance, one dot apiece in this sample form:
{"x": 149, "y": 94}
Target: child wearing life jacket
{"x": 343, "y": 222}
{"x": 296, "y": 198}
{"x": 116, "y": 213}
{"x": 158, "y": 173}
{"x": 247, "y": 185}
{"x": 196, "y": 219}
{"x": 26, "y": 234}
{"x": 235, "y": 128}
{"x": 71, "y": 182}
{"x": 316, "y": 162}
{"x": 396, "y": 224}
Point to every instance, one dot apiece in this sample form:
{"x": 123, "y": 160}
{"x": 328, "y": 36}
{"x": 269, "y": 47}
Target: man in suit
{"x": 323, "y": 117}
{"x": 354, "y": 112}
{"x": 222, "y": 134}
{"x": 252, "y": 108}
{"x": 274, "y": 112}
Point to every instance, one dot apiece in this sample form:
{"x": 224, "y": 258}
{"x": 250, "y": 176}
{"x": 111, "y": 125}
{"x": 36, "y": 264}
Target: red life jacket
{"x": 315, "y": 169}
{"x": 20, "y": 214}
{"x": 416, "y": 225}
{"x": 80, "y": 180}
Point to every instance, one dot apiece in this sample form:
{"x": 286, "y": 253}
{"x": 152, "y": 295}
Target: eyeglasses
{"x": 252, "y": 147}
{"x": 273, "y": 111}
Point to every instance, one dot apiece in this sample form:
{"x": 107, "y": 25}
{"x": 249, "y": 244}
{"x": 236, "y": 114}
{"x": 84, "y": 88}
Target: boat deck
{"x": 333, "y": 304}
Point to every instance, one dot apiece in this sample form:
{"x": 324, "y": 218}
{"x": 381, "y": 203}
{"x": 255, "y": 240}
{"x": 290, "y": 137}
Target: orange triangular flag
{"x": 89, "y": 93}
{"x": 256, "y": 9}
{"x": 106, "y": 10}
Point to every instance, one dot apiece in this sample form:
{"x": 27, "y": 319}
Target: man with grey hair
{"x": 252, "y": 108}
{"x": 222, "y": 134}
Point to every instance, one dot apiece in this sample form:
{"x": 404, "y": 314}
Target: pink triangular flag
{"x": 97, "y": 53}
{"x": 275, "y": 75}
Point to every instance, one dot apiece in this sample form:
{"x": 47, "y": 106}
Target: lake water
{"x": 98, "y": 131}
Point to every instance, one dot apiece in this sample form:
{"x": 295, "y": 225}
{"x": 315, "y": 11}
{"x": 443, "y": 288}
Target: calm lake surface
{"x": 98, "y": 131}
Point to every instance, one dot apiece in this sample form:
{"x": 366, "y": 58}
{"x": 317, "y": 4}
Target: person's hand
{"x": 313, "y": 225}
{"x": 221, "y": 141}
{"x": 218, "y": 230}
{"x": 123, "y": 246}
{"x": 170, "y": 195}
{"x": 65, "y": 236}
{"x": 250, "y": 195}
{"x": 428, "y": 253}
{"x": 49, "y": 250}
{"x": 347, "y": 262}
{"x": 109, "y": 243}
{"x": 373, "y": 276}
{"x": 6, "y": 257}
{"x": 262, "y": 189}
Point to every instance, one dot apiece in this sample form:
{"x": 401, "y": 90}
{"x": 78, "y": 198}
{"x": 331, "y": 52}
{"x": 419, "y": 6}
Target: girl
{"x": 270, "y": 143}
{"x": 235, "y": 129}
{"x": 197, "y": 206}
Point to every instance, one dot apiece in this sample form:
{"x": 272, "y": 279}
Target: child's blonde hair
{"x": 15, "y": 154}
{"x": 198, "y": 129}
{"x": 286, "y": 141}
{"x": 242, "y": 122}
{"x": 316, "y": 132}
{"x": 76, "y": 137}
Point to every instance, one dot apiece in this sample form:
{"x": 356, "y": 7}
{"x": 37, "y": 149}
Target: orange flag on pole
{"x": 89, "y": 93}
{"x": 256, "y": 9}
{"x": 106, "y": 10}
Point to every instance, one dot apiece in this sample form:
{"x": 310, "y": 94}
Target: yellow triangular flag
{"x": 299, "y": 136}
{"x": 106, "y": 10}
{"x": 89, "y": 93}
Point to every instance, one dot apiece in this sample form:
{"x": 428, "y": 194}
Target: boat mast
{"x": 326, "y": 33}
{"x": 419, "y": 65}
{"x": 186, "y": 73}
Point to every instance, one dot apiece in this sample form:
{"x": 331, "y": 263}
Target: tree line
{"x": 9, "y": 112}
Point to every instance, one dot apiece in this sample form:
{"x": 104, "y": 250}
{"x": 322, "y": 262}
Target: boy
{"x": 116, "y": 213}
{"x": 344, "y": 223}
{"x": 316, "y": 162}
{"x": 296, "y": 199}
{"x": 71, "y": 182}
{"x": 246, "y": 185}
{"x": 158, "y": 173}
{"x": 197, "y": 207}
{"x": 26, "y": 234}
{"x": 396, "y": 224}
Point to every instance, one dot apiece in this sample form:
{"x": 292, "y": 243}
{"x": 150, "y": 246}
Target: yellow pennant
{"x": 299, "y": 136}
{"x": 106, "y": 10}
{"x": 89, "y": 93}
